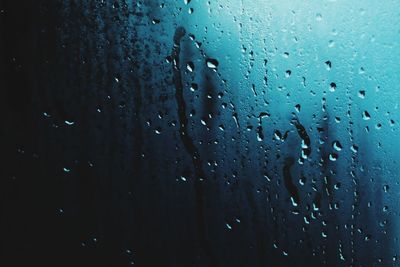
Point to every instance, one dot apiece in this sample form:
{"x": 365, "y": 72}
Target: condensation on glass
{"x": 225, "y": 133}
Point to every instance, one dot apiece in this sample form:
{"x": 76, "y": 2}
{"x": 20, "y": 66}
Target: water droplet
{"x": 385, "y": 188}
{"x": 260, "y": 135}
{"x": 333, "y": 156}
{"x": 337, "y": 146}
{"x": 337, "y": 186}
{"x": 190, "y": 66}
{"x": 328, "y": 64}
{"x": 155, "y": 21}
{"x": 212, "y": 63}
{"x": 297, "y": 108}
{"x": 365, "y": 115}
{"x": 294, "y": 203}
{"x": 194, "y": 87}
{"x": 332, "y": 87}
{"x": 385, "y": 208}
{"x": 354, "y": 148}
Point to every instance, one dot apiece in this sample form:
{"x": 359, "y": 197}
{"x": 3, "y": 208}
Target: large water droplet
{"x": 337, "y": 146}
{"x": 212, "y": 63}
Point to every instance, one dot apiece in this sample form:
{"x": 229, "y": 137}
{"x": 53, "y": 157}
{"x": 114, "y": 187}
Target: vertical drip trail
{"x": 354, "y": 206}
{"x": 301, "y": 130}
{"x": 288, "y": 181}
{"x": 188, "y": 143}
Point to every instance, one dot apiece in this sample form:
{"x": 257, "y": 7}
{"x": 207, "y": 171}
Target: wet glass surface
{"x": 199, "y": 133}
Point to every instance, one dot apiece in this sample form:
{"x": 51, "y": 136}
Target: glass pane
{"x": 200, "y": 133}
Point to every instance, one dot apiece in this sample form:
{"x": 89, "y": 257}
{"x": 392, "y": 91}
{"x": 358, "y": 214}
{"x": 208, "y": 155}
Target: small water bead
{"x": 354, "y": 148}
{"x": 386, "y": 188}
{"x": 365, "y": 115}
{"x": 194, "y": 87}
{"x": 337, "y": 186}
{"x": 337, "y": 146}
{"x": 385, "y": 208}
{"x": 155, "y": 21}
{"x": 333, "y": 156}
{"x": 332, "y": 87}
{"x": 190, "y": 66}
{"x": 328, "y": 64}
